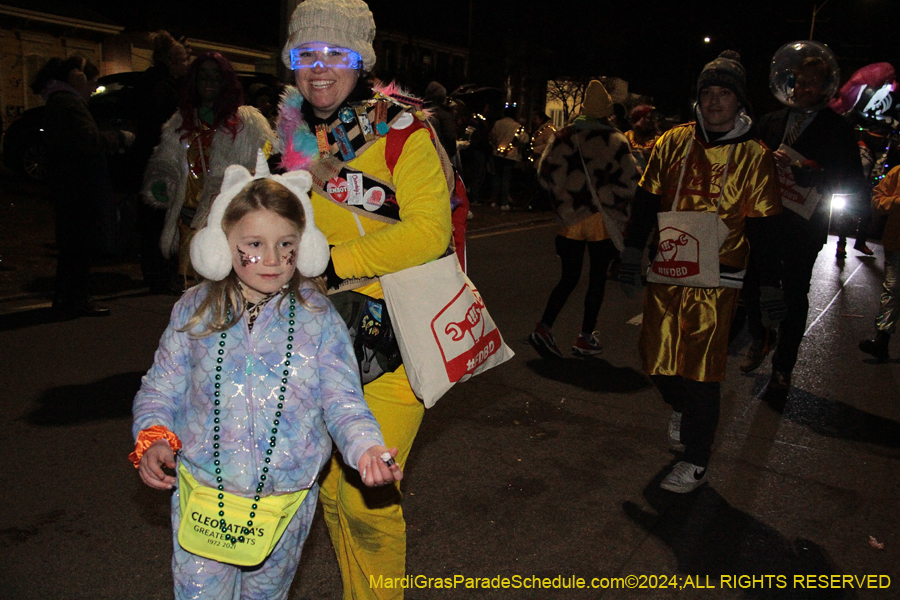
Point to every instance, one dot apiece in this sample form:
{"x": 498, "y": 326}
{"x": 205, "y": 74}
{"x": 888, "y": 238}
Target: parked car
{"x": 23, "y": 149}
{"x": 113, "y": 107}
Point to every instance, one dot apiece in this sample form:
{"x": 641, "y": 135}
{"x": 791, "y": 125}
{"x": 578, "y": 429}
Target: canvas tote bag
{"x": 689, "y": 241}
{"x": 445, "y": 333}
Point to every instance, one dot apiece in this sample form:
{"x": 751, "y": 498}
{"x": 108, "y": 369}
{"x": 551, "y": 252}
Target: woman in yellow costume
{"x": 380, "y": 195}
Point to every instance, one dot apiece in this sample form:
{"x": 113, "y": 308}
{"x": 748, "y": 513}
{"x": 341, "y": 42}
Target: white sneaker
{"x": 675, "y": 432}
{"x": 685, "y": 477}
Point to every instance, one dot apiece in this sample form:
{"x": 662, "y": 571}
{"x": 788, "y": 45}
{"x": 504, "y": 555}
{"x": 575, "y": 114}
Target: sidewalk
{"x": 28, "y": 255}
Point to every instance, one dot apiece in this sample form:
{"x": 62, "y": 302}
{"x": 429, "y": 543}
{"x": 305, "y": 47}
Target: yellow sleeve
{"x": 669, "y": 152}
{"x": 423, "y": 233}
{"x": 886, "y": 195}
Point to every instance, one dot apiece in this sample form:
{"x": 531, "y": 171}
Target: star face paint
{"x": 264, "y": 252}
{"x": 245, "y": 259}
{"x": 290, "y": 259}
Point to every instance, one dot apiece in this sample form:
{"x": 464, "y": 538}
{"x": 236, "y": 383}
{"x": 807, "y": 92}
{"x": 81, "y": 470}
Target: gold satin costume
{"x": 645, "y": 148}
{"x": 685, "y": 330}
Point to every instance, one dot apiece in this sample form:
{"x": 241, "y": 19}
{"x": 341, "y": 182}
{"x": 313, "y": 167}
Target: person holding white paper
{"x": 817, "y": 150}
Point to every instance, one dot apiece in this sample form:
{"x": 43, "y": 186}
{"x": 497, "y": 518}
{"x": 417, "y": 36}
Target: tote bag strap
{"x": 614, "y": 234}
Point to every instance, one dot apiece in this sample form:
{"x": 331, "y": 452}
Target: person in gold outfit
{"x": 643, "y": 133}
{"x": 713, "y": 165}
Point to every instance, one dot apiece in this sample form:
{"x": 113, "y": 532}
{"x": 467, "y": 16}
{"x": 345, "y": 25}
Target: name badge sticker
{"x": 364, "y": 124}
{"x": 322, "y": 141}
{"x": 380, "y": 117}
{"x": 403, "y": 121}
{"x": 338, "y": 189}
{"x": 340, "y": 134}
{"x": 346, "y": 115}
{"x": 356, "y": 195}
{"x": 374, "y": 199}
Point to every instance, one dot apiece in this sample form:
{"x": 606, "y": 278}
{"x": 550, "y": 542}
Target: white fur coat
{"x": 169, "y": 164}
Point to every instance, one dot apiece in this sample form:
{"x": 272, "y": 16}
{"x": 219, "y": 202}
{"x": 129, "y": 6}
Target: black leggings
{"x": 698, "y": 402}
{"x": 571, "y": 254}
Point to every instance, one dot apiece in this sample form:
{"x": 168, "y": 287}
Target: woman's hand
{"x": 158, "y": 455}
{"x": 377, "y": 466}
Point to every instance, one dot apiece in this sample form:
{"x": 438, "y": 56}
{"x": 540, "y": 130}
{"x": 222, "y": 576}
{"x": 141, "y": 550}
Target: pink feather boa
{"x": 299, "y": 148}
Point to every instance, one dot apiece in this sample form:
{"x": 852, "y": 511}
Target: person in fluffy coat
{"x": 210, "y": 131}
{"x": 590, "y": 214}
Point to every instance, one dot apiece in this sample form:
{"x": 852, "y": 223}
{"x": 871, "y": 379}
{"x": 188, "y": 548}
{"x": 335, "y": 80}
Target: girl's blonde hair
{"x": 224, "y": 303}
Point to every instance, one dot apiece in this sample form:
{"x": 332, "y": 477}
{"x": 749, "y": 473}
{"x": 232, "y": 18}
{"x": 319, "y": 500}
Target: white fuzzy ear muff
{"x": 210, "y": 253}
{"x": 314, "y": 252}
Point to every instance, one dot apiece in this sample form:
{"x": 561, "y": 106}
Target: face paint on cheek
{"x": 246, "y": 260}
{"x": 290, "y": 258}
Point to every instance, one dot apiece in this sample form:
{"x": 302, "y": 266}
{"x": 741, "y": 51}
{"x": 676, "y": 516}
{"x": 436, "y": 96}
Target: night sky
{"x": 656, "y": 46}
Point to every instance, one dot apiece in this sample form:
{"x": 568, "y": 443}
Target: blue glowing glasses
{"x": 325, "y": 57}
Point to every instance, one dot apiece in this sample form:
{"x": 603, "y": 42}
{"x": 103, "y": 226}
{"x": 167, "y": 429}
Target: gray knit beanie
{"x": 344, "y": 23}
{"x": 725, "y": 71}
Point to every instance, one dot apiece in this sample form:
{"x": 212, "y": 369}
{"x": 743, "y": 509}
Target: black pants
{"x": 156, "y": 269}
{"x": 75, "y": 248}
{"x": 698, "y": 402}
{"x": 799, "y": 260}
{"x": 854, "y": 220}
{"x": 571, "y": 255}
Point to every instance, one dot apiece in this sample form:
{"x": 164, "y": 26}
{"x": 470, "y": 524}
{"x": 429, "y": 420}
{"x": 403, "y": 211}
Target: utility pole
{"x": 469, "y": 58}
{"x": 816, "y": 10}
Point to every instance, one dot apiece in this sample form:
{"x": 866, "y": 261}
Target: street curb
{"x": 28, "y": 296}
{"x": 510, "y": 225}
{"x": 4, "y": 310}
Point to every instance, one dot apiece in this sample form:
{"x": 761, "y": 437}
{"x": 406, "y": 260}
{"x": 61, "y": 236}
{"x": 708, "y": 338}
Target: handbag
{"x": 689, "y": 241}
{"x": 443, "y": 329}
{"x": 209, "y": 515}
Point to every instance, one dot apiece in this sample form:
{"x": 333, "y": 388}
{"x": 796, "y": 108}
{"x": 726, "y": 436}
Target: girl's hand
{"x": 159, "y": 454}
{"x": 375, "y": 470}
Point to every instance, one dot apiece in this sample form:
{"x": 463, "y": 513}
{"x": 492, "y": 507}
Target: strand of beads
{"x": 272, "y": 440}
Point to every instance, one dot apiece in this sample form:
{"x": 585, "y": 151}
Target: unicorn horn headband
{"x": 210, "y": 252}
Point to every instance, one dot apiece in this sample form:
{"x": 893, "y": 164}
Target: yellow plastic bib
{"x": 205, "y": 524}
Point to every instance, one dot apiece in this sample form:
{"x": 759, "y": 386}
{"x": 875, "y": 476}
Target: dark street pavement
{"x": 536, "y": 469}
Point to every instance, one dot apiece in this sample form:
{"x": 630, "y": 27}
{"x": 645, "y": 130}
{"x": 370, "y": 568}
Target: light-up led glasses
{"x": 324, "y": 57}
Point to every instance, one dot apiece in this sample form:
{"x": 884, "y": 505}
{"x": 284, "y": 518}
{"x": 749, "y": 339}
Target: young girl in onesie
{"x": 253, "y": 378}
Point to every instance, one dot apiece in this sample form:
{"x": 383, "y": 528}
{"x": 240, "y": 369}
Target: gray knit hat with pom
{"x": 725, "y": 71}
{"x": 344, "y": 23}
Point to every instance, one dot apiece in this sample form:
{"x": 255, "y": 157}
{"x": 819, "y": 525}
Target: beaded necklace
{"x": 274, "y": 430}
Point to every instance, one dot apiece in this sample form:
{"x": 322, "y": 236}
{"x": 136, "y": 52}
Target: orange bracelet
{"x": 146, "y": 438}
